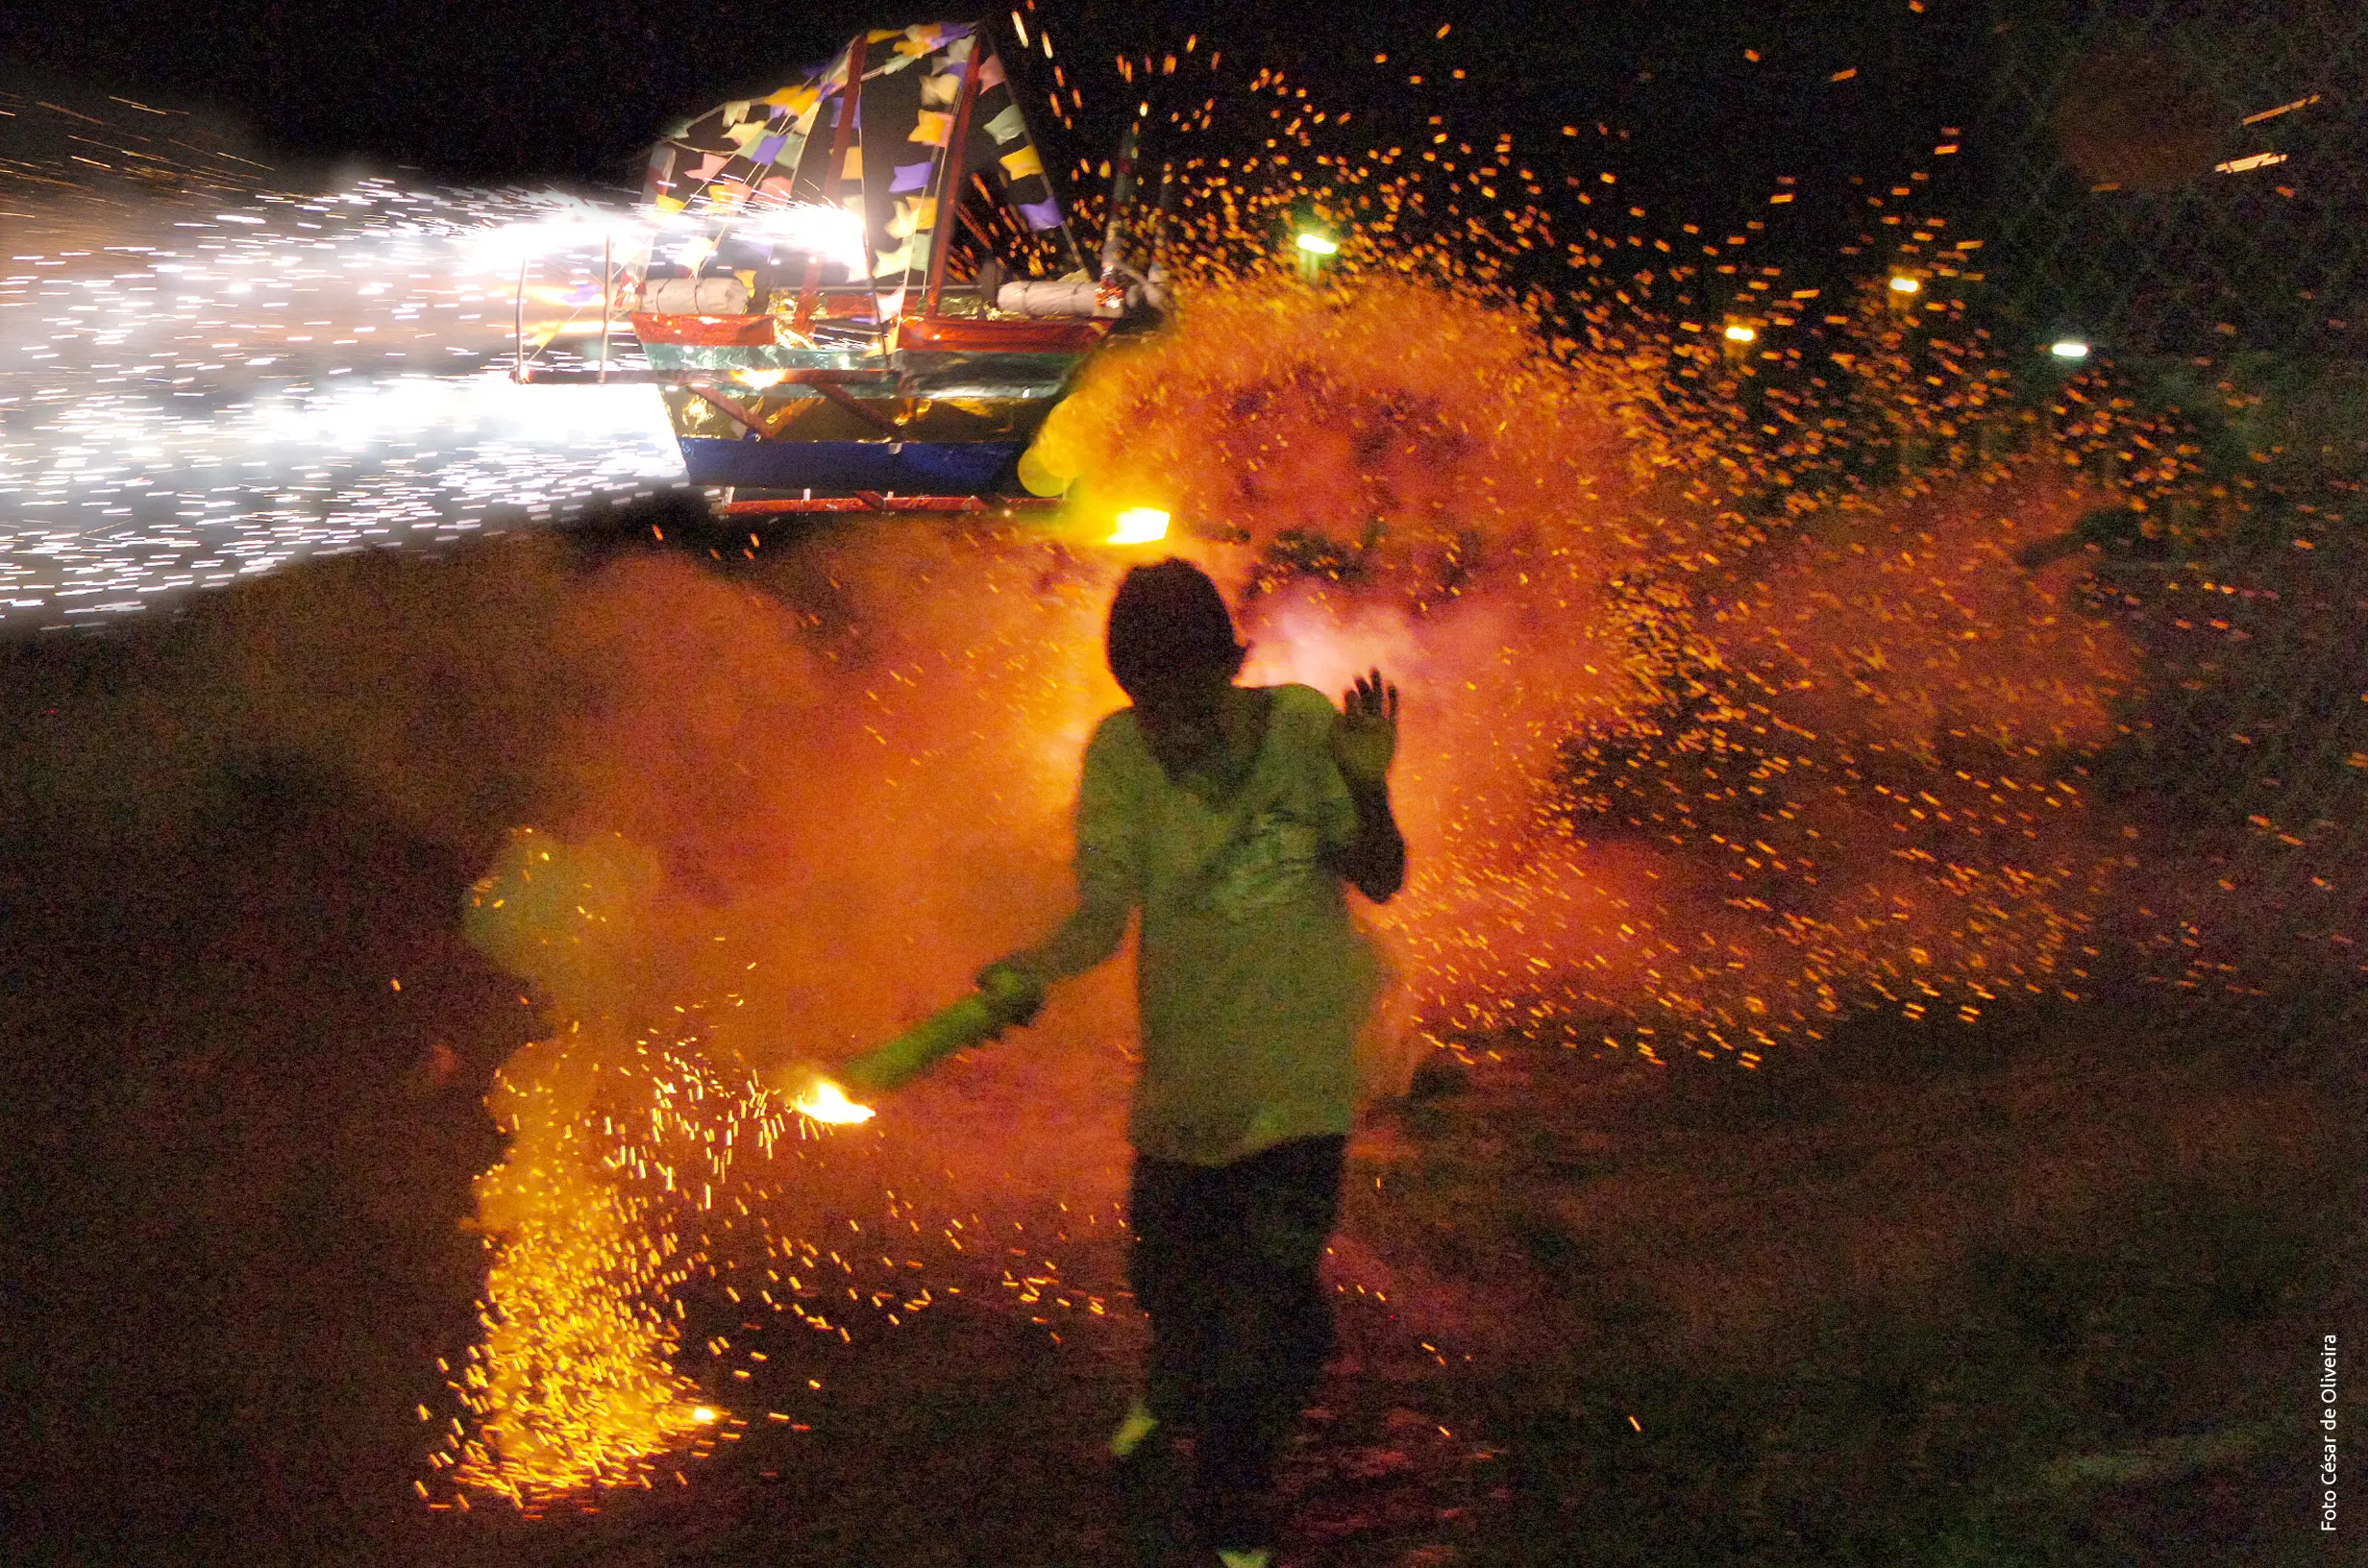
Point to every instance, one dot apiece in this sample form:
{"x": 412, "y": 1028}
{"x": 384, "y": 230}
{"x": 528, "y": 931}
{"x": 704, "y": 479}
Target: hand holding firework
{"x": 1005, "y": 996}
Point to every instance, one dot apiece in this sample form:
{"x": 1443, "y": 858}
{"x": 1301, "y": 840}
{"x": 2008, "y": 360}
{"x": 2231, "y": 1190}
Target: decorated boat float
{"x": 861, "y": 291}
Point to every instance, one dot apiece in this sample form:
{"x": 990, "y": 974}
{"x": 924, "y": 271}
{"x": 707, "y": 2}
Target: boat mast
{"x": 851, "y": 96}
{"x": 949, "y": 180}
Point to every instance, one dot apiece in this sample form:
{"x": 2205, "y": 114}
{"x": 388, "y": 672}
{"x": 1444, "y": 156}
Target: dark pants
{"x": 1224, "y": 1259}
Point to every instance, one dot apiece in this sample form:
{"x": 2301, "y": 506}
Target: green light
{"x": 1318, "y": 245}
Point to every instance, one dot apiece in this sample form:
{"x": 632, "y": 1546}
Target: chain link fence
{"x": 2183, "y": 187}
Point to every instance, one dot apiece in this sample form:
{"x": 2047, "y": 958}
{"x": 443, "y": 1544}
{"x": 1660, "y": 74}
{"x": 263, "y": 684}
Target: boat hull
{"x": 841, "y": 468}
{"x": 947, "y": 416}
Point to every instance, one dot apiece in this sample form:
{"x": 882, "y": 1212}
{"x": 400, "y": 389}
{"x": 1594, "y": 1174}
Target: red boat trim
{"x": 963, "y": 334}
{"x": 707, "y": 331}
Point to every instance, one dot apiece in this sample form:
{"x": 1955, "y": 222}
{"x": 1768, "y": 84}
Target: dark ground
{"x": 2043, "y": 1290}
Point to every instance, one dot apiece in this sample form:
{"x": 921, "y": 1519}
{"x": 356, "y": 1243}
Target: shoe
{"x": 1139, "y": 1425}
{"x": 1258, "y": 1558}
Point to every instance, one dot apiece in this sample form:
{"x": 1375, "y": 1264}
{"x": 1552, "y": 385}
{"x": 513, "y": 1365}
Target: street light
{"x": 1314, "y": 248}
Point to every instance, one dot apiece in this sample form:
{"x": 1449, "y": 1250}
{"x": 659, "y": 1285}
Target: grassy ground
{"x": 2039, "y": 1291}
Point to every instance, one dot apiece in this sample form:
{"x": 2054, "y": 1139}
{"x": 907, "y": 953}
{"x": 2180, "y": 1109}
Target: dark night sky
{"x": 529, "y": 92}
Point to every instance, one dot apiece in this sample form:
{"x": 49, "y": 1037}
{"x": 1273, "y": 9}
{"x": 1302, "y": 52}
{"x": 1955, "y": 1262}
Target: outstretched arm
{"x": 1014, "y": 985}
{"x": 1091, "y": 934}
{"x": 1107, "y": 889}
{"x": 1364, "y": 741}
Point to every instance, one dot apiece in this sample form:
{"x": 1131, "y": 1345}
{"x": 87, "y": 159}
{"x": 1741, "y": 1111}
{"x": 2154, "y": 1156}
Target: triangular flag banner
{"x": 774, "y": 150}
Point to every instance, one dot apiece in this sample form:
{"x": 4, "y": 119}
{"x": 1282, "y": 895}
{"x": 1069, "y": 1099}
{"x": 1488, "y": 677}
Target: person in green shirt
{"x": 1231, "y": 820}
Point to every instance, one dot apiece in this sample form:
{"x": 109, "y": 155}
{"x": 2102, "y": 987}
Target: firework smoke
{"x": 1681, "y": 776}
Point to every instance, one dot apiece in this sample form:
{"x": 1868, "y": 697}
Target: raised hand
{"x": 1365, "y": 735}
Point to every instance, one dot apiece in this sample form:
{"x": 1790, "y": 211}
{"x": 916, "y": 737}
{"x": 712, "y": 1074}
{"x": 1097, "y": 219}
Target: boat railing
{"x": 527, "y": 363}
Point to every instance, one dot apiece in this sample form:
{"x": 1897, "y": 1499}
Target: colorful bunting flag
{"x": 1009, "y": 126}
{"x": 761, "y": 150}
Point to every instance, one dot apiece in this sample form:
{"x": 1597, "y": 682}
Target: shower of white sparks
{"x": 198, "y": 384}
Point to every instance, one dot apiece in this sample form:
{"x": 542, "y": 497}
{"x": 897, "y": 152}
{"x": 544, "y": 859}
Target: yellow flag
{"x": 934, "y": 128}
{"x": 1020, "y": 164}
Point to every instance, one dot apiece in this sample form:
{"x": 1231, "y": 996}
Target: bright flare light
{"x": 1318, "y": 245}
{"x": 1140, "y": 525}
{"x": 2070, "y": 348}
{"x": 1905, "y": 285}
{"x": 828, "y": 1102}
{"x": 1739, "y": 333}
{"x": 835, "y": 233}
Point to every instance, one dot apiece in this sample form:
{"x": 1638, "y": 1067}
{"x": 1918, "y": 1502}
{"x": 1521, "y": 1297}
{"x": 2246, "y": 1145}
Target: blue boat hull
{"x": 944, "y": 468}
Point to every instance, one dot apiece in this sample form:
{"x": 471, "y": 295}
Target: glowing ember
{"x": 826, "y": 1102}
{"x": 1139, "y": 526}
